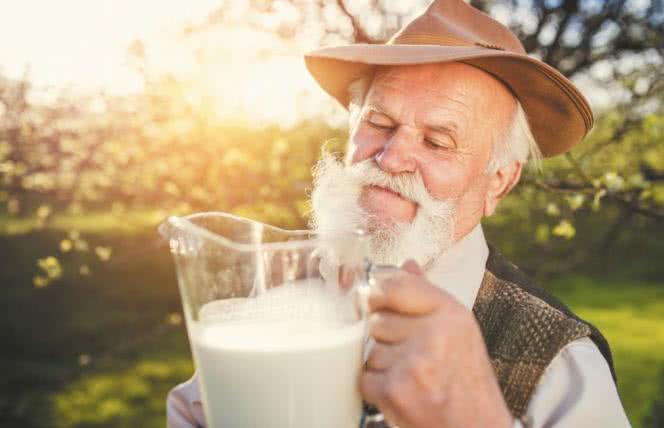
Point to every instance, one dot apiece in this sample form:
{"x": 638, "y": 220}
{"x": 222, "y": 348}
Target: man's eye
{"x": 438, "y": 144}
{"x": 381, "y": 125}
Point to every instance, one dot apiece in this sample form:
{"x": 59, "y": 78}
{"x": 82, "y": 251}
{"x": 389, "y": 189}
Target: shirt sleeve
{"x": 576, "y": 390}
{"x": 183, "y": 406}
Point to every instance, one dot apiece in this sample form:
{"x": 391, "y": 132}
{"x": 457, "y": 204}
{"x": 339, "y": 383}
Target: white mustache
{"x": 337, "y": 213}
{"x": 407, "y": 185}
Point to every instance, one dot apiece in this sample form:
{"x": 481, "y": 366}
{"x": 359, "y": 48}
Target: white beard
{"x": 337, "y": 215}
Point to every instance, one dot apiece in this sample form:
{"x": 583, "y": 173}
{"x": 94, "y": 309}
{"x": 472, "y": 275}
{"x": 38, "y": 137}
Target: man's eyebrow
{"x": 374, "y": 107}
{"x": 447, "y": 128}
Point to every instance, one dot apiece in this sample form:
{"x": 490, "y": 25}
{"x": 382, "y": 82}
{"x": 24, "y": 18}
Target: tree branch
{"x": 359, "y": 35}
{"x": 569, "y": 8}
{"x": 628, "y": 125}
{"x": 531, "y": 41}
{"x": 630, "y": 203}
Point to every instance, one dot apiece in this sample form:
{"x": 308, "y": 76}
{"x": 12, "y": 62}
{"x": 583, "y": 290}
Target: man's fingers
{"x": 374, "y": 390}
{"x": 406, "y": 293}
{"x": 411, "y": 266}
{"x": 382, "y": 356}
{"x": 372, "y": 386}
{"x": 391, "y": 327}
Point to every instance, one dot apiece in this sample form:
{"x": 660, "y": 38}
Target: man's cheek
{"x": 447, "y": 182}
{"x": 363, "y": 145}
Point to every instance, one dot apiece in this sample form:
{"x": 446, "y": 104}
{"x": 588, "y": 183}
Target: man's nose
{"x": 396, "y": 156}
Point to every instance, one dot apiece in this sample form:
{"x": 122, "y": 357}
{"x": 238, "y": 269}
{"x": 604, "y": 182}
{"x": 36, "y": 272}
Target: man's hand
{"x": 429, "y": 366}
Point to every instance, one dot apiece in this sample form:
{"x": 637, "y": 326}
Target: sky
{"x": 82, "y": 45}
{"x": 84, "y": 42}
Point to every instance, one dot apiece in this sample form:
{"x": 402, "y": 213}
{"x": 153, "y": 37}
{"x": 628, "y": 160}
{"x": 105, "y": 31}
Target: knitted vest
{"x": 524, "y": 328}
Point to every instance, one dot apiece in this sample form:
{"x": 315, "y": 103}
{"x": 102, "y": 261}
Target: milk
{"x": 288, "y": 359}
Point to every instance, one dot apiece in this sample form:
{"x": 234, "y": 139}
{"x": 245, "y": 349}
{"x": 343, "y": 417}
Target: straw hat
{"x": 451, "y": 30}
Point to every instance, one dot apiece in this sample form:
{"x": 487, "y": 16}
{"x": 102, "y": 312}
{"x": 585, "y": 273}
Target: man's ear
{"x": 501, "y": 183}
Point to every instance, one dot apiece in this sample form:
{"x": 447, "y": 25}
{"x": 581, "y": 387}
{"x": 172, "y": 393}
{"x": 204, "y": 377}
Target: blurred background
{"x": 115, "y": 114}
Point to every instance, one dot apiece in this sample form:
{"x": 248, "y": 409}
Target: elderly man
{"x": 443, "y": 118}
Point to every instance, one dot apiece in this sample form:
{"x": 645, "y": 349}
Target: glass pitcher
{"x": 275, "y": 323}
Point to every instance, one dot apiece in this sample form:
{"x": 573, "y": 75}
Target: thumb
{"x": 411, "y": 266}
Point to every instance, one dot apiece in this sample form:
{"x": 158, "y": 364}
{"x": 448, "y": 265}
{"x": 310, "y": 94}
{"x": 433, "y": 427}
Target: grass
{"x": 129, "y": 393}
{"x": 119, "y": 221}
{"x": 103, "y": 350}
{"x": 631, "y": 316}
{"x": 89, "y": 351}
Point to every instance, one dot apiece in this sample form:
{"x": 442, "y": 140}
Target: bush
{"x": 655, "y": 417}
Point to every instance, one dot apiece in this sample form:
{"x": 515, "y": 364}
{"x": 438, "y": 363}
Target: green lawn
{"x": 103, "y": 350}
{"x": 631, "y": 316}
{"x": 99, "y": 350}
{"x": 134, "y": 221}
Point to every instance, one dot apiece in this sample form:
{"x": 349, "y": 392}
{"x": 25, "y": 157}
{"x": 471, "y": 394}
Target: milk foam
{"x": 305, "y": 301}
{"x": 277, "y": 336}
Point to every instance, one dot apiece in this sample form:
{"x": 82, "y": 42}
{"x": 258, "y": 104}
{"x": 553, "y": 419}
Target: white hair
{"x": 516, "y": 143}
{"x": 357, "y": 92}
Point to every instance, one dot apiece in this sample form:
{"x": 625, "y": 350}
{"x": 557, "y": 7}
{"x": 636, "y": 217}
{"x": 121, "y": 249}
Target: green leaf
{"x": 597, "y": 198}
{"x": 564, "y": 229}
{"x": 552, "y": 210}
{"x": 576, "y": 201}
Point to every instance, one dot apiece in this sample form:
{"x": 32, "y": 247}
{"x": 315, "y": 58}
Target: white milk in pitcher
{"x": 287, "y": 359}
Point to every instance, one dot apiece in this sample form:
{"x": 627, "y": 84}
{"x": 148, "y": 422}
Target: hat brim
{"x": 558, "y": 114}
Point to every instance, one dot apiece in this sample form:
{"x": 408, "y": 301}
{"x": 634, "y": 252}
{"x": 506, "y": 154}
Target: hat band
{"x": 436, "y": 39}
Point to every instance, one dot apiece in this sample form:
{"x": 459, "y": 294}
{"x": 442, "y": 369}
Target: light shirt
{"x": 576, "y": 389}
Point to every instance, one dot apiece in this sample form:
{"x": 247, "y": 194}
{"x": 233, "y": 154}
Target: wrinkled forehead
{"x": 444, "y": 83}
{"x": 440, "y": 74}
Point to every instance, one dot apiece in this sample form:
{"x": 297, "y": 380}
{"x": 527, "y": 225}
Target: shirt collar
{"x": 460, "y": 269}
